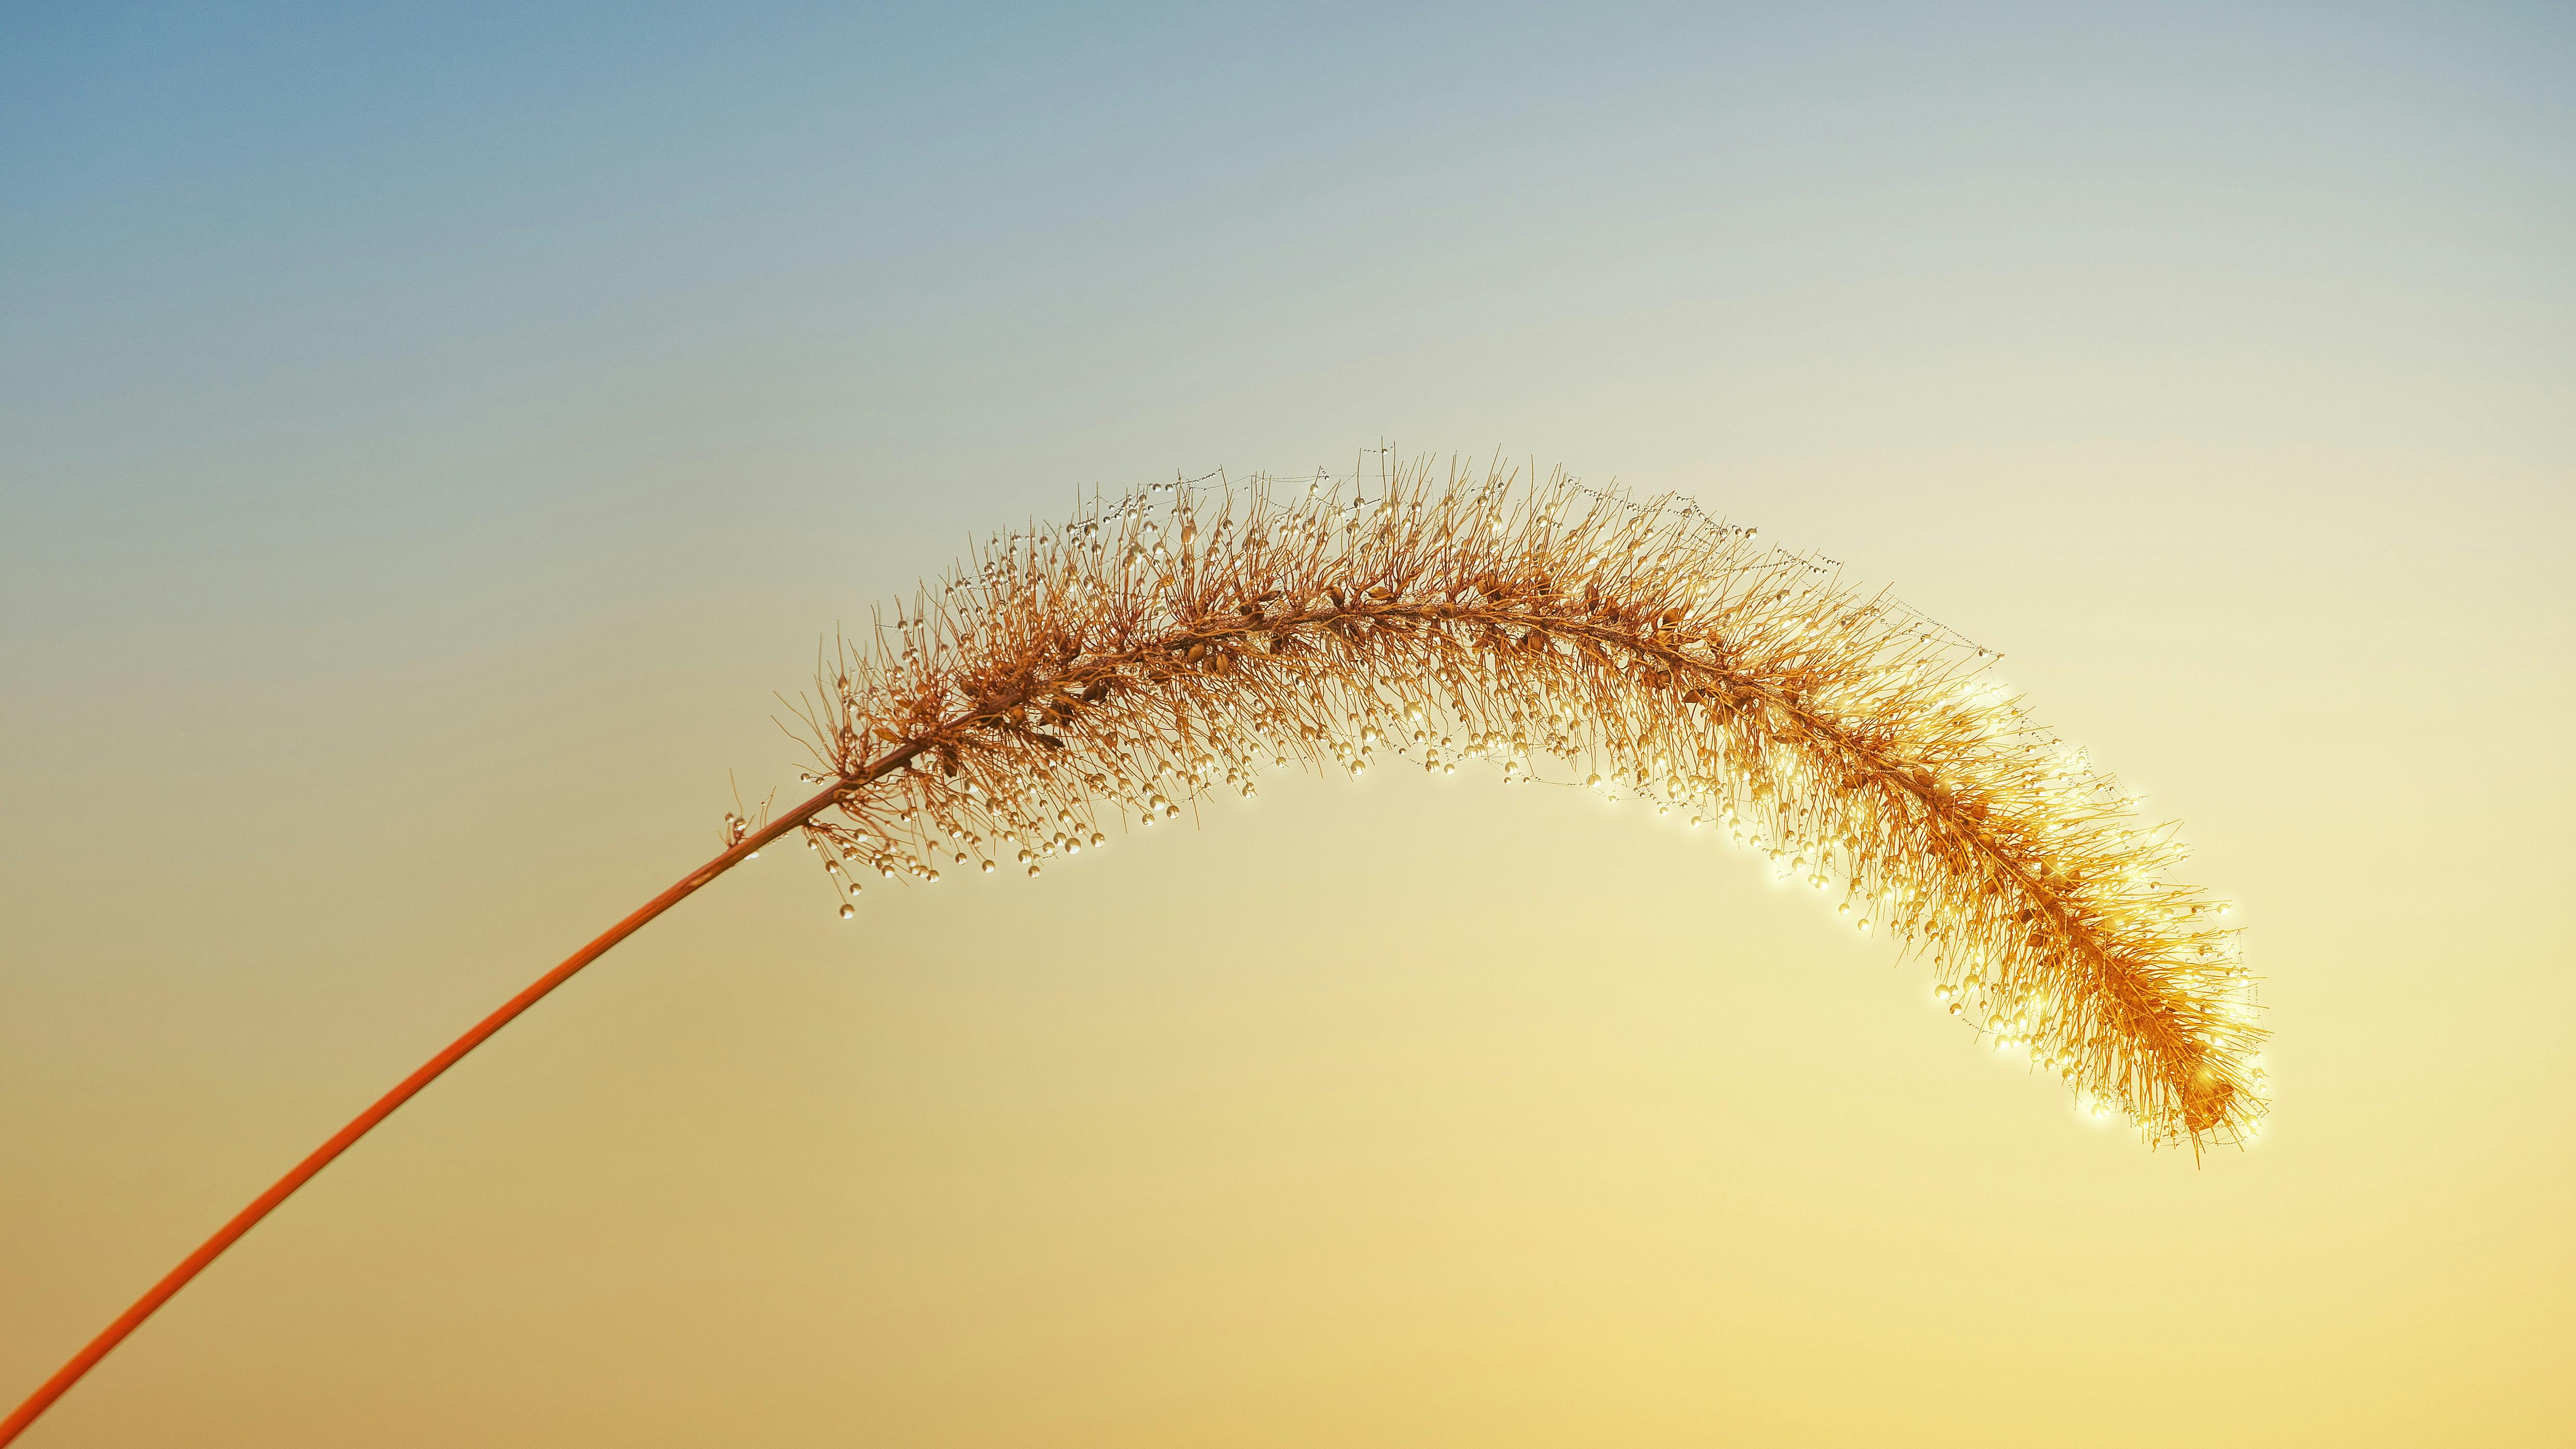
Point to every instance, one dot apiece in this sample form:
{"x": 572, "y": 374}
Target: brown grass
{"x": 1169, "y": 645}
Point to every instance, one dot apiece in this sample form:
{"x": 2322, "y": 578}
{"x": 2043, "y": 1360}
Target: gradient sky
{"x": 427, "y": 440}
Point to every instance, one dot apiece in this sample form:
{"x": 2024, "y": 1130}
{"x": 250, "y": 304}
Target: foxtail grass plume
{"x": 1174, "y": 644}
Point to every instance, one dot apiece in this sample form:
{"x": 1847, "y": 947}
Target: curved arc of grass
{"x": 2187, "y": 1073}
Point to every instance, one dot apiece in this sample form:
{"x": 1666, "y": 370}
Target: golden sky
{"x": 427, "y": 443}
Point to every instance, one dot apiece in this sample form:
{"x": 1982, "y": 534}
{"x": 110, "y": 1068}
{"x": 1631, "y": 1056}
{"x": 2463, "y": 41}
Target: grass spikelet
{"x": 1174, "y": 644}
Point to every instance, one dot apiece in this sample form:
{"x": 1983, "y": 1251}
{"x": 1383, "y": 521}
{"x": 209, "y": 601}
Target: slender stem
{"x": 195, "y": 1263}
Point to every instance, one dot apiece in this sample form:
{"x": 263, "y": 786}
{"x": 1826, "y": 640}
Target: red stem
{"x": 195, "y": 1263}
